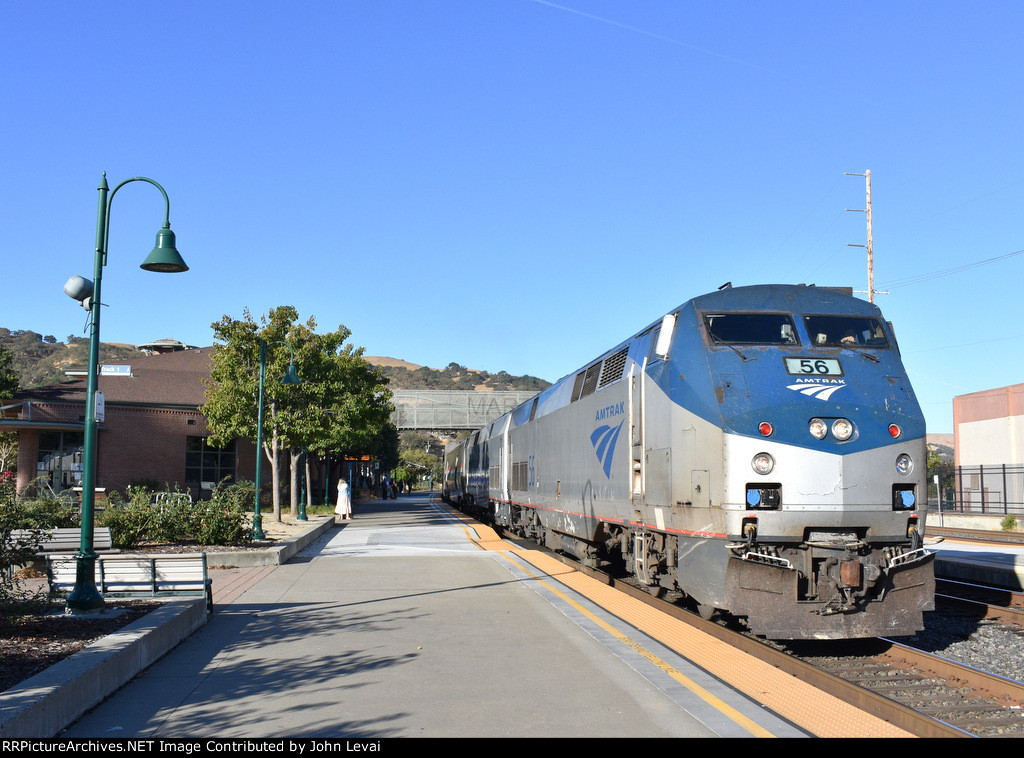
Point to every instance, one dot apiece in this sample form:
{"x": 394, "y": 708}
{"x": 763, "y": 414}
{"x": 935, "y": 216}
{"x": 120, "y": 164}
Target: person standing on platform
{"x": 344, "y": 508}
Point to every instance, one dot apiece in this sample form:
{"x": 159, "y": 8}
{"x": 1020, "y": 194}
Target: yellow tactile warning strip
{"x": 801, "y": 703}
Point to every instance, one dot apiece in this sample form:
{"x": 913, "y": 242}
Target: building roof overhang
{"x": 18, "y": 425}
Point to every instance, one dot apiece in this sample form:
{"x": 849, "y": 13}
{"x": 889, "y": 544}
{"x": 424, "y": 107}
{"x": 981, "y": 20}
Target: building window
{"x": 208, "y": 464}
{"x": 59, "y": 459}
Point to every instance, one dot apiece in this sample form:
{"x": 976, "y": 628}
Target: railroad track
{"x": 996, "y": 604}
{"x": 925, "y": 694}
{"x": 980, "y": 535}
{"x": 973, "y": 702}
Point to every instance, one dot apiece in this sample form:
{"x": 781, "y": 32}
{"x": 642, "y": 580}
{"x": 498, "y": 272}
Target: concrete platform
{"x": 411, "y": 622}
{"x": 994, "y": 564}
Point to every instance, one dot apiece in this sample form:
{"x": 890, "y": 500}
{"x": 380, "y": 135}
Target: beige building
{"x": 988, "y": 430}
{"x": 988, "y": 427}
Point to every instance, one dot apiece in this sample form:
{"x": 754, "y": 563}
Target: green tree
{"x": 8, "y": 451}
{"x": 233, "y": 390}
{"x": 342, "y": 405}
{"x": 422, "y": 453}
{"x": 8, "y": 376}
{"x": 8, "y": 386}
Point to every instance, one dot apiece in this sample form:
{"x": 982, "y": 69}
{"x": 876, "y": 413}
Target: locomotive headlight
{"x": 904, "y": 464}
{"x": 842, "y": 429}
{"x": 818, "y": 428}
{"x": 763, "y": 463}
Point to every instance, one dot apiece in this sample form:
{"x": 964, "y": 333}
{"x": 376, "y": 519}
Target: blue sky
{"x": 517, "y": 184}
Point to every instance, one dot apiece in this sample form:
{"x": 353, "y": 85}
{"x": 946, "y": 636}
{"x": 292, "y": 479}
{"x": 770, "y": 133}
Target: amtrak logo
{"x": 603, "y": 439}
{"x": 818, "y": 390}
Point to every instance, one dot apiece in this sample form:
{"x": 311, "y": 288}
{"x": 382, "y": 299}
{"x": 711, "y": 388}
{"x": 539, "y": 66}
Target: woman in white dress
{"x": 344, "y": 508}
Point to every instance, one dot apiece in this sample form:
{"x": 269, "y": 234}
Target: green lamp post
{"x": 291, "y": 377}
{"x": 163, "y": 259}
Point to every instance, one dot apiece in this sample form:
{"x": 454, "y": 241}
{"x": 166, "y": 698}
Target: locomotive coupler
{"x": 850, "y": 578}
{"x": 750, "y": 532}
{"x": 839, "y": 603}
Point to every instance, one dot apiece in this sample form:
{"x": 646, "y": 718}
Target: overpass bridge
{"x": 451, "y": 410}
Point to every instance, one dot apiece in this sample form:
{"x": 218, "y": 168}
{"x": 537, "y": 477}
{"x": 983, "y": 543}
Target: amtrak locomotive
{"x": 759, "y": 449}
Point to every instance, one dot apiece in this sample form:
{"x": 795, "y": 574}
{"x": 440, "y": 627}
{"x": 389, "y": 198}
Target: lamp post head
{"x": 165, "y": 258}
{"x": 291, "y": 376}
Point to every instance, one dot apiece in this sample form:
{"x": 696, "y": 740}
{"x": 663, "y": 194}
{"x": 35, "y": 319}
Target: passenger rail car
{"x": 759, "y": 449}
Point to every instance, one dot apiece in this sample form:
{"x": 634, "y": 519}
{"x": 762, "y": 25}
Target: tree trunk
{"x": 275, "y": 470}
{"x": 309, "y": 482}
{"x": 295, "y": 454}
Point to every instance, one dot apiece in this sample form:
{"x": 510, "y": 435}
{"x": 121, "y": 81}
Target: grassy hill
{"x": 409, "y": 376}
{"x": 40, "y": 360}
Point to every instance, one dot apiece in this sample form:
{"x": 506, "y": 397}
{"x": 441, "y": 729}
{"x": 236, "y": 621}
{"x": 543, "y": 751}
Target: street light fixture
{"x": 164, "y": 258}
{"x": 291, "y": 377}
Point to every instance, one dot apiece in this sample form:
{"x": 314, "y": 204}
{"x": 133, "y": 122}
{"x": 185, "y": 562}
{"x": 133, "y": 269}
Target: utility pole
{"x": 871, "y": 253}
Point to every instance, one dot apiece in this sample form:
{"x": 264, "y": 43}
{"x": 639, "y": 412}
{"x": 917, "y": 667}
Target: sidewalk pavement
{"x": 396, "y": 624}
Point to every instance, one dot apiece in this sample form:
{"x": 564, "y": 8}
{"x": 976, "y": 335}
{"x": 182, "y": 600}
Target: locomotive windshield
{"x": 751, "y": 328}
{"x": 845, "y": 331}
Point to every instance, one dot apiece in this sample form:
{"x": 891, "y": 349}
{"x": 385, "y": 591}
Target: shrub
{"x": 219, "y": 521}
{"x": 1009, "y": 523}
{"x": 15, "y": 597}
{"x": 131, "y": 521}
{"x": 47, "y": 510}
{"x": 223, "y": 519}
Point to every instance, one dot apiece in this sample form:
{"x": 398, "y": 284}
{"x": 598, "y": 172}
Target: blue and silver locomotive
{"x": 758, "y": 449}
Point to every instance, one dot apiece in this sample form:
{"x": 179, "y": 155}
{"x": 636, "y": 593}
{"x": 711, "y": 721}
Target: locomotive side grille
{"x": 519, "y": 476}
{"x": 613, "y": 368}
{"x": 599, "y": 375}
{"x": 590, "y": 382}
{"x": 577, "y": 387}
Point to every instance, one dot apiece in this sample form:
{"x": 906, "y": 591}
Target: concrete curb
{"x": 272, "y": 556}
{"x": 45, "y": 704}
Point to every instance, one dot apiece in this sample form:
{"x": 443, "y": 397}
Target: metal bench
{"x": 171, "y": 498}
{"x": 137, "y": 575}
{"x": 64, "y": 540}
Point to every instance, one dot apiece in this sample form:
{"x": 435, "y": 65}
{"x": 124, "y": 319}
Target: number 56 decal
{"x": 813, "y": 367}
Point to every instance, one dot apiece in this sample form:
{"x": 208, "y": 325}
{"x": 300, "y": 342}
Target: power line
{"x": 966, "y": 344}
{"x": 919, "y": 278}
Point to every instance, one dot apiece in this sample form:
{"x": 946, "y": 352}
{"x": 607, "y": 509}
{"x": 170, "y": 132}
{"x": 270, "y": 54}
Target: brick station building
{"x": 152, "y": 429}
